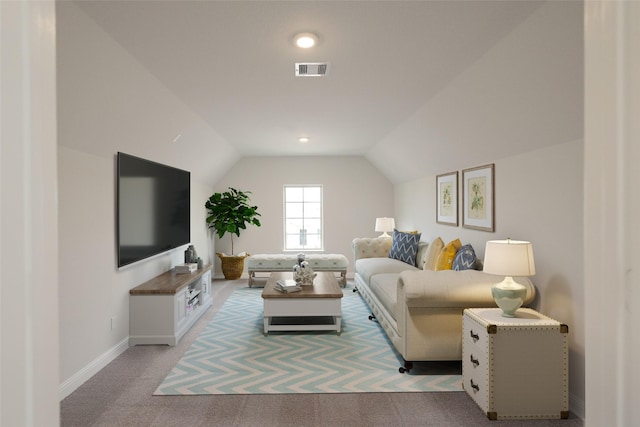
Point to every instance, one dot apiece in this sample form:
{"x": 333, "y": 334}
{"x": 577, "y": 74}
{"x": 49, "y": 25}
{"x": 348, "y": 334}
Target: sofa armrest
{"x": 371, "y": 247}
{"x": 447, "y": 288}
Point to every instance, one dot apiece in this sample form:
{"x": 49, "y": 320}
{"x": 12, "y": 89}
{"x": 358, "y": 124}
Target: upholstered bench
{"x": 267, "y": 263}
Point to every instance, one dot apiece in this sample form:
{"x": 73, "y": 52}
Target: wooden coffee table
{"x": 315, "y": 308}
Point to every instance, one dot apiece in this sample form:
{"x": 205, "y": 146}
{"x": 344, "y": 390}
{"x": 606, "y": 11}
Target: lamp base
{"x": 509, "y": 296}
{"x": 384, "y": 235}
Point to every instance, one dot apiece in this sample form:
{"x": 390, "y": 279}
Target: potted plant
{"x": 230, "y": 212}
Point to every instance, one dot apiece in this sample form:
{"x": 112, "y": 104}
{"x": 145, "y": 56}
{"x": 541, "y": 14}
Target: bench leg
{"x": 252, "y": 276}
{"x": 343, "y": 278}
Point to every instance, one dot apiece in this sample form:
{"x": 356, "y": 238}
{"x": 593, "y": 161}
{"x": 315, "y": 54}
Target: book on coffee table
{"x": 287, "y": 286}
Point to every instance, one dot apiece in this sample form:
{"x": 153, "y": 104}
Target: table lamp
{"x": 509, "y": 258}
{"x": 385, "y": 225}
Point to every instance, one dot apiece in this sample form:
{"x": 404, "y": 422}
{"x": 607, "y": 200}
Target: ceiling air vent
{"x": 311, "y": 69}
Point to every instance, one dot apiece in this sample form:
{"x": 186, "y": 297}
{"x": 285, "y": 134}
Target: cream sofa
{"x": 420, "y": 310}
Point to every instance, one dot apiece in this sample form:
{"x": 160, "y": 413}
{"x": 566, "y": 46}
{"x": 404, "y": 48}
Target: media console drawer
{"x": 164, "y": 308}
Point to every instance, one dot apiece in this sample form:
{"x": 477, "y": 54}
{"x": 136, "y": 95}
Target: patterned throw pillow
{"x": 465, "y": 259}
{"x": 404, "y": 246}
{"x": 433, "y": 252}
{"x": 445, "y": 260}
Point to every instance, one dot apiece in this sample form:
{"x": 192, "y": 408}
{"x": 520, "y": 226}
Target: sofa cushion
{"x": 448, "y": 254}
{"x": 367, "y": 267}
{"x": 448, "y": 288}
{"x": 432, "y": 254}
{"x": 365, "y": 247}
{"x": 385, "y": 288}
{"x": 421, "y": 254}
{"x": 404, "y": 246}
{"x": 465, "y": 259}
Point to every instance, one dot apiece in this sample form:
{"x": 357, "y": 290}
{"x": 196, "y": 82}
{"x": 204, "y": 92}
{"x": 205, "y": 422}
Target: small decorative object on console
{"x": 186, "y": 268}
{"x": 190, "y": 255}
{"x": 509, "y": 258}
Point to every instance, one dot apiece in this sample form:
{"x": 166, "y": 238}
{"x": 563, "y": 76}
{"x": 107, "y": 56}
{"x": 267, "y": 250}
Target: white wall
{"x": 105, "y": 95}
{"x": 524, "y": 92}
{"x": 110, "y": 102}
{"x": 612, "y": 209}
{"x": 538, "y": 197}
{"x": 28, "y": 217}
{"x": 355, "y": 193}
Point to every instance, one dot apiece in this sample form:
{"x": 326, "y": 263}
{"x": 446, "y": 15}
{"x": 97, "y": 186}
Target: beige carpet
{"x": 121, "y": 395}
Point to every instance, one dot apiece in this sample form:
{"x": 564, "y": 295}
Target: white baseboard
{"x": 80, "y": 377}
{"x": 221, "y": 276}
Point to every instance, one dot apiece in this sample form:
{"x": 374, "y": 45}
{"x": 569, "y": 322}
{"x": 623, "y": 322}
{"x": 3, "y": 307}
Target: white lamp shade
{"x": 509, "y": 258}
{"x": 385, "y": 224}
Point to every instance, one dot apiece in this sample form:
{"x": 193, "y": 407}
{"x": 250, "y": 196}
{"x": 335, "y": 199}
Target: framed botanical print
{"x": 478, "y": 198}
{"x": 447, "y": 199}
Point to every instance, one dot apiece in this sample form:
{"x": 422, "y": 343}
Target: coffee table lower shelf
{"x": 302, "y": 323}
{"x": 302, "y": 314}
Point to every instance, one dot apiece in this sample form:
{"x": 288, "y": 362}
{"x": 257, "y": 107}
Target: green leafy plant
{"x": 230, "y": 212}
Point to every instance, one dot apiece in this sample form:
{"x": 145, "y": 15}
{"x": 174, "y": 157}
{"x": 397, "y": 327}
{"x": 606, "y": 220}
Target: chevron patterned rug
{"x": 233, "y": 356}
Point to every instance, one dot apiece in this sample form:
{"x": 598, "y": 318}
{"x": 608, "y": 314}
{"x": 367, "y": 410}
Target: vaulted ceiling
{"x": 232, "y": 63}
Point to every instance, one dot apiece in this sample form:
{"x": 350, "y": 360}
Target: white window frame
{"x": 285, "y": 218}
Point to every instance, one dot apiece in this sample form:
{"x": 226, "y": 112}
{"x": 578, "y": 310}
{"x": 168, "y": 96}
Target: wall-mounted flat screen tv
{"x": 153, "y": 212}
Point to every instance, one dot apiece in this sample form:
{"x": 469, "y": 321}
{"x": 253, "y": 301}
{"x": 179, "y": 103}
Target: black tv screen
{"x": 153, "y": 212}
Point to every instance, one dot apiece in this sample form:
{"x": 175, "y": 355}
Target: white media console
{"x": 163, "y": 309}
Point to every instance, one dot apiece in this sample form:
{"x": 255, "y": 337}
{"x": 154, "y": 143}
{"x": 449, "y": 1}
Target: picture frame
{"x": 447, "y": 199}
{"x": 478, "y": 206}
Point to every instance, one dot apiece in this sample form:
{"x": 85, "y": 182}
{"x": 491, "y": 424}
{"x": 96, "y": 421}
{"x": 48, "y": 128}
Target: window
{"x": 302, "y": 217}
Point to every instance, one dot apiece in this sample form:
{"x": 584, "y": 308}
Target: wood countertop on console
{"x": 168, "y": 283}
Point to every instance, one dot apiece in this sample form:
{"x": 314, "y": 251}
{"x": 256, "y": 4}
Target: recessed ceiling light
{"x": 303, "y": 139}
{"x": 305, "y": 40}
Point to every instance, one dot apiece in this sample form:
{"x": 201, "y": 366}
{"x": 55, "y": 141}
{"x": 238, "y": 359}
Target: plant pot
{"x": 232, "y": 265}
